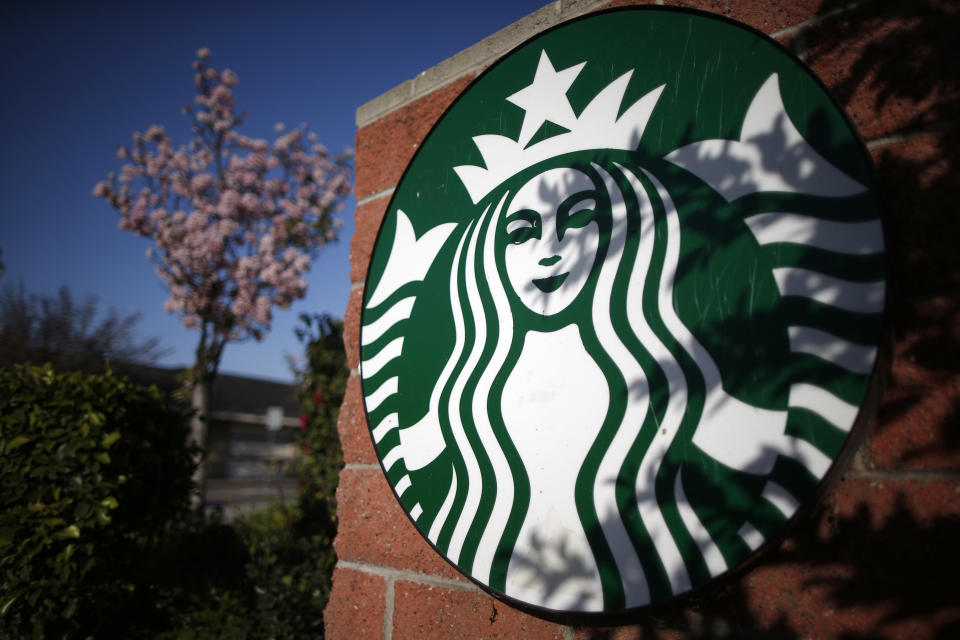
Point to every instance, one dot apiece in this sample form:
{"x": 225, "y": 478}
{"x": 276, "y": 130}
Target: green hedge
{"x": 95, "y": 475}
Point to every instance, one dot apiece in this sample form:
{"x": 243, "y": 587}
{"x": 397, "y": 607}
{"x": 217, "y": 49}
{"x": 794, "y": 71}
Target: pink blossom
{"x": 302, "y": 263}
{"x": 228, "y": 228}
{"x": 247, "y": 265}
{"x": 266, "y": 245}
{"x": 249, "y": 201}
{"x": 240, "y": 307}
{"x": 284, "y": 142}
{"x": 179, "y": 185}
{"x": 159, "y": 216}
{"x": 181, "y": 160}
{"x": 238, "y": 241}
{"x": 229, "y": 200}
{"x": 215, "y": 245}
{"x": 222, "y": 93}
{"x": 262, "y": 310}
{"x": 256, "y": 161}
{"x": 196, "y": 221}
{"x": 154, "y": 132}
{"x": 271, "y": 273}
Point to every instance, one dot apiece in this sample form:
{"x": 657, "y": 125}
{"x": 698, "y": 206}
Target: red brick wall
{"x": 880, "y": 556}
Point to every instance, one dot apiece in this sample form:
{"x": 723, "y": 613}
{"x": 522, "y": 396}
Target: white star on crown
{"x": 545, "y": 99}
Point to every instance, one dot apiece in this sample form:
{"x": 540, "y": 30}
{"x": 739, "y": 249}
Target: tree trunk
{"x": 200, "y": 403}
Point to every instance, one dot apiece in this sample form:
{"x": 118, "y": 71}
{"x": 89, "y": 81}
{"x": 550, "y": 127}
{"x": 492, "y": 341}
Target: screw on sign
{"x": 623, "y": 310}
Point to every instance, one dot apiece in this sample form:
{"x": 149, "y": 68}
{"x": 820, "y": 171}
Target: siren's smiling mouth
{"x": 551, "y": 284}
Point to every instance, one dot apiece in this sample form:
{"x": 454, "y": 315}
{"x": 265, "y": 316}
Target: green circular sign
{"x": 623, "y": 310}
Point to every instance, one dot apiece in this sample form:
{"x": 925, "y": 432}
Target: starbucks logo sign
{"x": 623, "y": 310}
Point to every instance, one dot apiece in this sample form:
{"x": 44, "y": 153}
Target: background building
{"x": 249, "y": 454}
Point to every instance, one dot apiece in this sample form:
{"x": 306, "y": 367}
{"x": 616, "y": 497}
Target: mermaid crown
{"x": 597, "y": 126}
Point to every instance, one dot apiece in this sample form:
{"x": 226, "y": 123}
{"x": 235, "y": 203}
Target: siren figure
{"x": 560, "y": 420}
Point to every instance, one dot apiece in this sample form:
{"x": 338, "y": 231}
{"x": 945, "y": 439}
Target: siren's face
{"x": 552, "y": 239}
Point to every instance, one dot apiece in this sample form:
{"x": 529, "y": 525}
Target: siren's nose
{"x": 549, "y": 262}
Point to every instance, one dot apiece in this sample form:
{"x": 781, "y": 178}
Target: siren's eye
{"x": 522, "y": 226}
{"x": 576, "y": 212}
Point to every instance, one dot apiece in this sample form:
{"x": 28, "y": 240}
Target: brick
{"x": 367, "y": 219}
{"x": 764, "y": 15}
{"x": 351, "y": 328}
{"x": 374, "y": 529}
{"x": 890, "y": 64}
{"x": 422, "y": 612}
{"x": 626, "y": 3}
{"x": 613, "y": 633}
{"x": 918, "y": 425}
{"x": 917, "y": 190}
{"x": 789, "y": 43}
{"x": 357, "y": 606}
{"x": 385, "y": 147}
{"x": 353, "y": 427}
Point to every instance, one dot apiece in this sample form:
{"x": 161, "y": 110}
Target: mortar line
{"x": 354, "y": 466}
{"x": 903, "y": 474}
{"x": 417, "y": 92}
{"x": 817, "y": 19}
{"x": 800, "y": 44}
{"x": 897, "y": 138}
{"x": 388, "y": 610}
{"x": 409, "y": 576}
{"x": 376, "y": 195}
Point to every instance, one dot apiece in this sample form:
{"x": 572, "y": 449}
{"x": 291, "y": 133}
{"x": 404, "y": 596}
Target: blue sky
{"x": 78, "y": 80}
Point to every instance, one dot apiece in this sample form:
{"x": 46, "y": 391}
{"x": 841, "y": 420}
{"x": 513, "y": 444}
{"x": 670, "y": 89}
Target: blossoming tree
{"x": 235, "y": 219}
